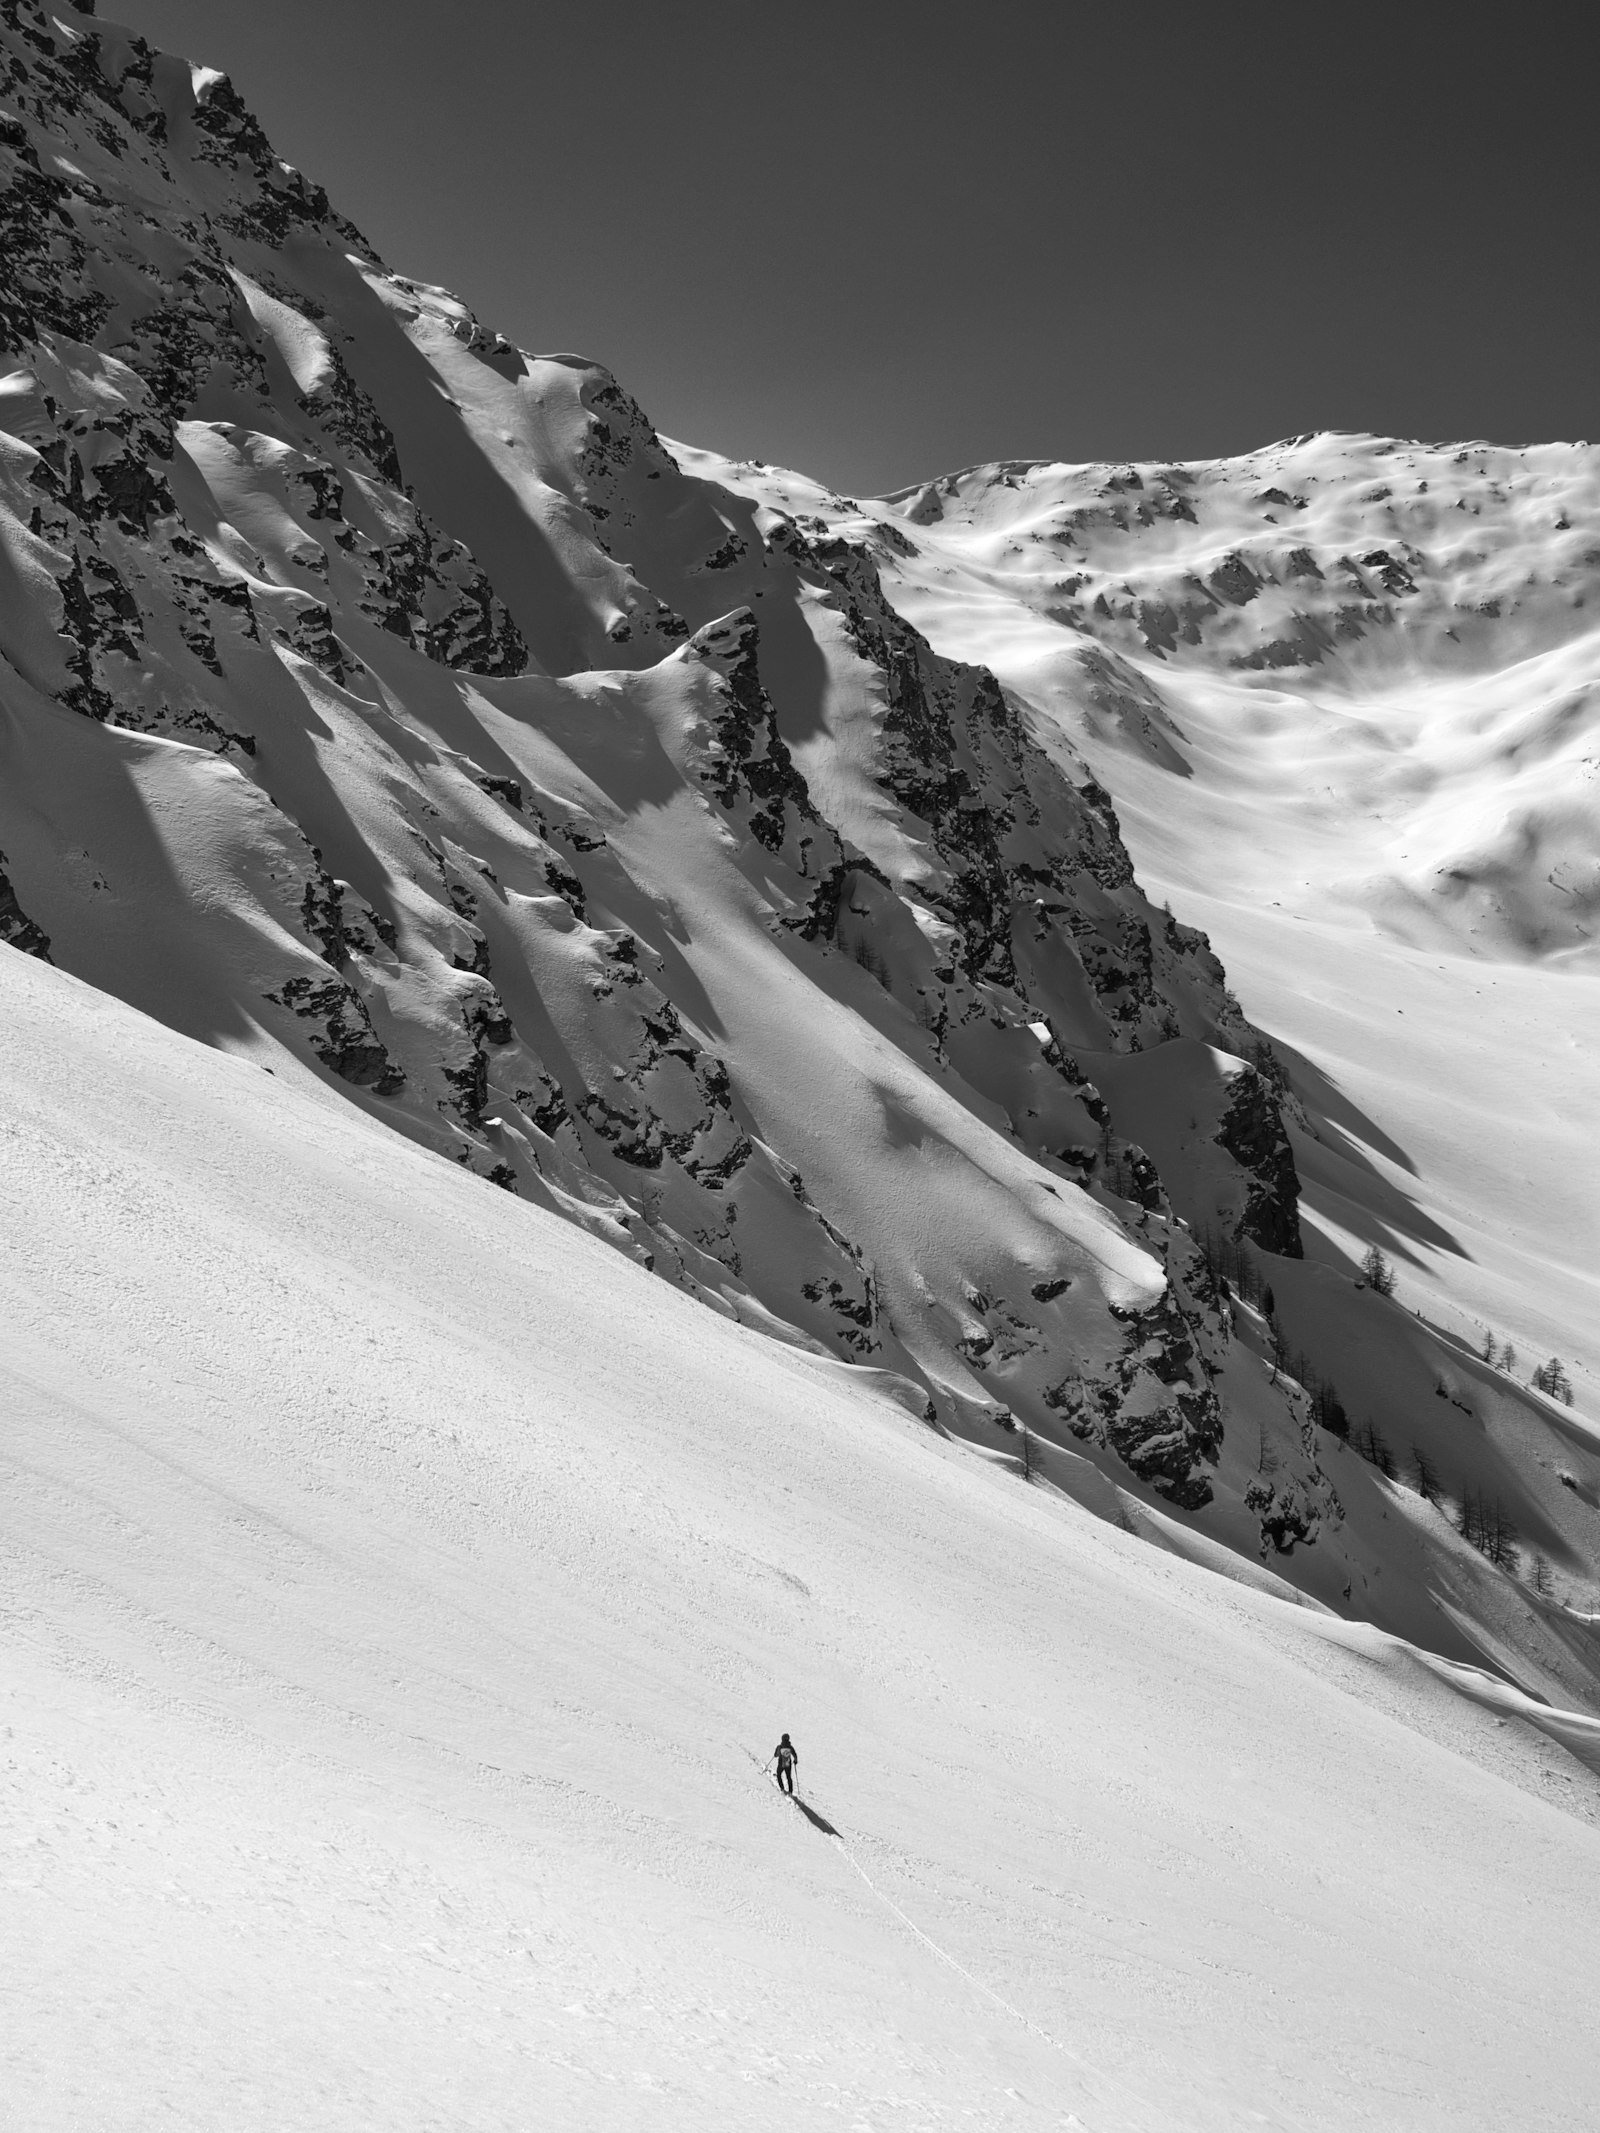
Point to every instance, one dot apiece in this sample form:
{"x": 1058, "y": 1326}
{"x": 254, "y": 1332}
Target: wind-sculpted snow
{"x": 1420, "y": 620}
{"x": 632, "y": 829}
{"x": 1321, "y": 547}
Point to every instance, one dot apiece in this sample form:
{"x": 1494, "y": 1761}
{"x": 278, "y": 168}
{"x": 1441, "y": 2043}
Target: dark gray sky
{"x": 878, "y": 239}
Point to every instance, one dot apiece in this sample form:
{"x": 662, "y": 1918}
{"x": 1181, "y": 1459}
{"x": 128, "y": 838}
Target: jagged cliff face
{"x": 657, "y": 838}
{"x": 397, "y": 708}
{"x": 1345, "y": 693}
{"x": 383, "y": 698}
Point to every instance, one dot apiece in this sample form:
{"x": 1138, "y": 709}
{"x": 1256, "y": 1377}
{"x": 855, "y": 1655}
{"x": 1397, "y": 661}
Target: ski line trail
{"x": 1096, "y": 2073}
{"x": 977, "y": 1984}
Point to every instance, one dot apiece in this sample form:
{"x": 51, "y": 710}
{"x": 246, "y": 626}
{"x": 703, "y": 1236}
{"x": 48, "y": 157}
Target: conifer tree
{"x": 1552, "y": 1378}
{"x": 1379, "y": 1274}
{"x": 1427, "y": 1475}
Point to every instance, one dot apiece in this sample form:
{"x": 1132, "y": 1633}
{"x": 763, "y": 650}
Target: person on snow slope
{"x": 786, "y": 1757}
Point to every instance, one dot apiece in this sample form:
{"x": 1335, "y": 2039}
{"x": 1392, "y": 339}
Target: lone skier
{"x": 786, "y": 1758}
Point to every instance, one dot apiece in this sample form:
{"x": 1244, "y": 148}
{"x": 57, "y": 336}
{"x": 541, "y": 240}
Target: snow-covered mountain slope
{"x": 395, "y": 709}
{"x": 735, "y": 875}
{"x": 1445, "y": 717}
{"x": 403, "y": 1590}
{"x": 764, "y": 943}
{"x": 1408, "y": 637}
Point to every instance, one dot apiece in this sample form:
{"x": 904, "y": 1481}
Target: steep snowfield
{"x": 404, "y": 1589}
{"x": 426, "y": 781}
{"x": 693, "y": 896}
{"x": 1351, "y": 721}
{"x": 1343, "y": 693}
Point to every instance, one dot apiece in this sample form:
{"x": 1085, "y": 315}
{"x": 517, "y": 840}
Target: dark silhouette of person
{"x": 786, "y": 1758}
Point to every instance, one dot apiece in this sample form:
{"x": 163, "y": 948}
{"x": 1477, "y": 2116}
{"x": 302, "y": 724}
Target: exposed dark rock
{"x": 1284, "y": 1514}
{"x": 567, "y": 886}
{"x": 1253, "y": 1133}
{"x": 753, "y": 761}
{"x": 429, "y": 591}
{"x": 1165, "y": 1443}
{"x": 335, "y": 919}
{"x": 346, "y": 1042}
{"x": 17, "y": 930}
{"x": 821, "y": 918}
{"x": 1021, "y": 881}
{"x": 313, "y": 636}
{"x": 1234, "y": 581}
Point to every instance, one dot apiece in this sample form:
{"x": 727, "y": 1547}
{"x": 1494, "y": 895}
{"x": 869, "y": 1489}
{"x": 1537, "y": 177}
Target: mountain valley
{"x": 646, "y": 1102}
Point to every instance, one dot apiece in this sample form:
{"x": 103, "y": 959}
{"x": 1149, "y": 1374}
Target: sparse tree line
{"x": 1231, "y": 1265}
{"x": 1482, "y": 1520}
{"x": 1550, "y": 1378}
{"x": 1234, "y": 1269}
{"x": 870, "y": 957}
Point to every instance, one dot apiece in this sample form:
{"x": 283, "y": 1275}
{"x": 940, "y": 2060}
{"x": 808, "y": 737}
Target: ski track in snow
{"x": 392, "y": 1569}
{"x": 388, "y": 1573}
{"x": 836, "y": 1837}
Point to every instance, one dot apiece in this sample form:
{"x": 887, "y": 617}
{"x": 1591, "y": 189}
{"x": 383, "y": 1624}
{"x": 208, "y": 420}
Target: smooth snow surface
{"x": 595, "y": 1079}
{"x": 404, "y": 1590}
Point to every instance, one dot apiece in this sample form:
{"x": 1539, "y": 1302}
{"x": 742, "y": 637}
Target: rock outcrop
{"x": 402, "y": 704}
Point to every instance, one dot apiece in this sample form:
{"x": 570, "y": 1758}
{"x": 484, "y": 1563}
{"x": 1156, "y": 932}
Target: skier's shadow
{"x": 813, "y": 1817}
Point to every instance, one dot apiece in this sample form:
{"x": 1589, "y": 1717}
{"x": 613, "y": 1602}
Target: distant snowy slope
{"x": 1411, "y": 631}
{"x": 403, "y": 1591}
{"x": 1346, "y": 692}
{"x": 1440, "y": 1107}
